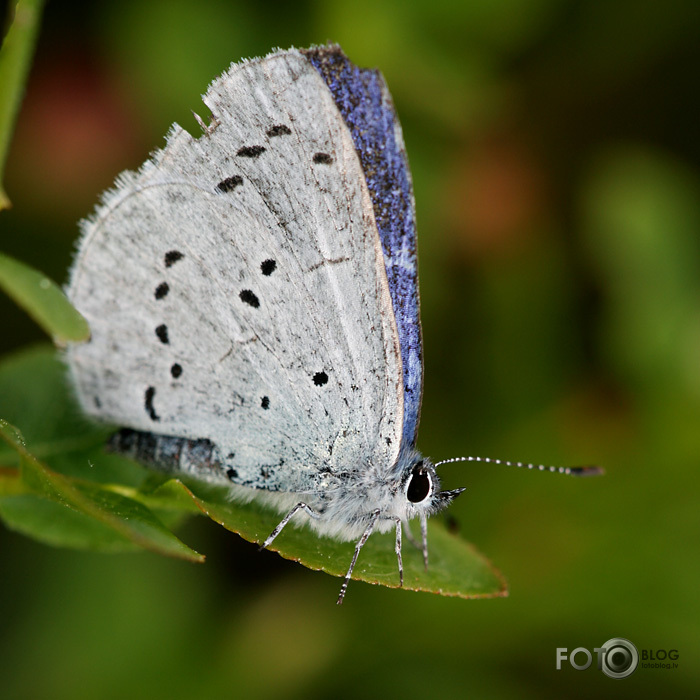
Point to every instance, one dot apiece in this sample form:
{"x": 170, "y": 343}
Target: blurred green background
{"x": 555, "y": 154}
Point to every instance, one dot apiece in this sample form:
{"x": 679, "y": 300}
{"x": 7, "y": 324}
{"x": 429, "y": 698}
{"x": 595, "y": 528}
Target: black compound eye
{"x": 419, "y": 486}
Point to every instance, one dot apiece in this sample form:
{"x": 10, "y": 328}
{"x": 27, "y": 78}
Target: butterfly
{"x": 253, "y": 301}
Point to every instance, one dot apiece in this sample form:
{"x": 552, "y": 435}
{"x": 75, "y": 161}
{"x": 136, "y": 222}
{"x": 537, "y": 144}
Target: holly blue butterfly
{"x": 253, "y": 301}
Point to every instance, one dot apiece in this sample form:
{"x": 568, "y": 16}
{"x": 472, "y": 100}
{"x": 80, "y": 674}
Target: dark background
{"x": 555, "y": 154}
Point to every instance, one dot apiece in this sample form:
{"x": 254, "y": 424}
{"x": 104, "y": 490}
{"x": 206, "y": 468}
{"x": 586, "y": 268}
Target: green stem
{"x": 15, "y": 58}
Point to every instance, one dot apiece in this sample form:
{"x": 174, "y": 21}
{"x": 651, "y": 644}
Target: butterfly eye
{"x": 420, "y": 485}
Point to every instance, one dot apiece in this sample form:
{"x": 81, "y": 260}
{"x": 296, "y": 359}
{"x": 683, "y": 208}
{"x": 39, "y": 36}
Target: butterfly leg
{"x": 424, "y": 534}
{"x": 398, "y": 550}
{"x": 284, "y": 521}
{"x": 360, "y": 544}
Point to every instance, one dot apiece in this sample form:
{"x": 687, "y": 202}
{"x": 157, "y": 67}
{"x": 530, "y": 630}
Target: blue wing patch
{"x": 363, "y": 99}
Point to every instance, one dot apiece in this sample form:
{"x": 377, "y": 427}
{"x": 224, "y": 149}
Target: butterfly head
{"x": 421, "y": 489}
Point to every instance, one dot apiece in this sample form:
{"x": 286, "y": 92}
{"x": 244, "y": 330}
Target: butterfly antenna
{"x": 587, "y": 470}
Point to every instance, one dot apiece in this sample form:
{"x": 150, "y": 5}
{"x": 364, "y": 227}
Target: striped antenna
{"x": 588, "y": 470}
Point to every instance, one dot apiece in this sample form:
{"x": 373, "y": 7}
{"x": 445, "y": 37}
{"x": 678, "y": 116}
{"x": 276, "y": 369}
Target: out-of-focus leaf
{"x": 117, "y": 519}
{"x": 43, "y": 300}
{"x": 35, "y": 396}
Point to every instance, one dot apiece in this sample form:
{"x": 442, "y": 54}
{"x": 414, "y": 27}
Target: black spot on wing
{"x": 250, "y": 151}
{"x": 279, "y": 130}
{"x": 172, "y": 256}
{"x": 230, "y": 183}
{"x": 176, "y": 370}
{"x": 265, "y": 402}
{"x": 249, "y": 298}
{"x": 231, "y": 473}
{"x": 148, "y": 403}
{"x": 162, "y": 290}
{"x": 267, "y": 267}
{"x": 320, "y": 378}
{"x": 323, "y": 158}
{"x": 162, "y": 333}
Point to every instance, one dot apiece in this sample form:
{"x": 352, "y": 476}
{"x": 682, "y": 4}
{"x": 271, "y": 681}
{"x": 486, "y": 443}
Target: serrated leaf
{"x": 43, "y": 300}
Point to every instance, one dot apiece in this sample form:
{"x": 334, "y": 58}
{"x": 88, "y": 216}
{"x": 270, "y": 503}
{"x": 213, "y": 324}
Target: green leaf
{"x": 15, "y": 58}
{"x": 111, "y": 519}
{"x": 34, "y": 394}
{"x": 53, "y": 524}
{"x": 43, "y": 300}
{"x": 456, "y": 568}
